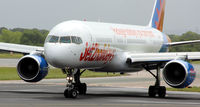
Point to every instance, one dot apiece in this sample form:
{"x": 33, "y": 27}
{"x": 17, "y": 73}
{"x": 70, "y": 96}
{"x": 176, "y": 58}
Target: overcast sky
{"x": 181, "y": 15}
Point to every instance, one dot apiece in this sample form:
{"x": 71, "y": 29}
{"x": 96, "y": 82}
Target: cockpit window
{"x": 65, "y": 39}
{"x": 76, "y": 40}
{"x": 79, "y": 40}
{"x": 53, "y": 39}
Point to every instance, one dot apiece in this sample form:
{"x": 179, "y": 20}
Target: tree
{"x": 185, "y": 37}
{"x": 32, "y": 37}
{"x": 9, "y": 36}
{"x": 2, "y": 29}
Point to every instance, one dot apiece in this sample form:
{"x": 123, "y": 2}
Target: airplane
{"x": 75, "y": 46}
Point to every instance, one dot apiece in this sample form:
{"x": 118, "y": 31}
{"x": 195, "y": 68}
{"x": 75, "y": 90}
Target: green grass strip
{"x": 190, "y": 89}
{"x": 10, "y": 73}
{"x": 8, "y": 55}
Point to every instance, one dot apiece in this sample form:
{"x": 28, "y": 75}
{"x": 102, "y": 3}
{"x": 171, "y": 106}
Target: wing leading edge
{"x": 25, "y": 49}
{"x": 183, "y": 43}
{"x": 162, "y": 57}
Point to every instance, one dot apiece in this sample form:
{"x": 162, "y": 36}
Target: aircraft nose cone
{"x": 57, "y": 55}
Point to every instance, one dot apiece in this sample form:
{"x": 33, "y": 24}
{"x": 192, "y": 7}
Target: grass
{"x": 195, "y": 62}
{"x": 10, "y": 73}
{"x": 10, "y": 55}
{"x": 189, "y": 89}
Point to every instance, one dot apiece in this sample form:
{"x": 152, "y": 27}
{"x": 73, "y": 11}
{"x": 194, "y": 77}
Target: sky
{"x": 180, "y": 15}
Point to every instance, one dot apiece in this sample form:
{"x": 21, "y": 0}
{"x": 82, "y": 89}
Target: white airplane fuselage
{"x": 104, "y": 46}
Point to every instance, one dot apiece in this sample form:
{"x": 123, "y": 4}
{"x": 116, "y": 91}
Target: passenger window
{"x": 65, "y": 39}
{"x": 54, "y": 39}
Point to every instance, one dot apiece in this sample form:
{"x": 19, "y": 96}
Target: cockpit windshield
{"x": 64, "y": 39}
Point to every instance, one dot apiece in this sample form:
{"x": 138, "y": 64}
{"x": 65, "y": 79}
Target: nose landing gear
{"x": 74, "y": 85}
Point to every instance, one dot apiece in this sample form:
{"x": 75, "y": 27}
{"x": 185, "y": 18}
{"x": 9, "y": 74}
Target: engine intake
{"x": 32, "y": 68}
{"x": 178, "y": 73}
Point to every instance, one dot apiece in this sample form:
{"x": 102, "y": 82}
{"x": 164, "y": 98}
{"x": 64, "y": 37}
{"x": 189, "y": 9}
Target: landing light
{"x": 69, "y": 78}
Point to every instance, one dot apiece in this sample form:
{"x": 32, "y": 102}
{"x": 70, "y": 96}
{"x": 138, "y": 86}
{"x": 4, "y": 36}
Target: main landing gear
{"x": 156, "y": 89}
{"x": 74, "y": 85}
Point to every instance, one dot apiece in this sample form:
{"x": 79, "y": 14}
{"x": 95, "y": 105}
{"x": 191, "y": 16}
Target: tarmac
{"x": 49, "y": 93}
{"x": 123, "y": 91}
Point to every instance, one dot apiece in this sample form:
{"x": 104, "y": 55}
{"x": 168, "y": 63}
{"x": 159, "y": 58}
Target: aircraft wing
{"x": 25, "y": 49}
{"x": 183, "y": 42}
{"x": 162, "y": 57}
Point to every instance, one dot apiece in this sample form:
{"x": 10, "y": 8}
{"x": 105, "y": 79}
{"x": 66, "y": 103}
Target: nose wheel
{"x": 74, "y": 85}
{"x": 70, "y": 93}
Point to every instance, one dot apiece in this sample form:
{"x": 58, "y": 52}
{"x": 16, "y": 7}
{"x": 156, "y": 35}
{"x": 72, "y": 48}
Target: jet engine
{"x": 32, "y": 68}
{"x": 178, "y": 73}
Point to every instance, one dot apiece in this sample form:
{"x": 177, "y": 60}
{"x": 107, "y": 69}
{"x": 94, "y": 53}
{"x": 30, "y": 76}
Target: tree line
{"x": 37, "y": 37}
{"x": 185, "y": 37}
{"x": 23, "y": 36}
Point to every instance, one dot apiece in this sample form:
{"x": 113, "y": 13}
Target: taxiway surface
{"x": 49, "y": 93}
{"x": 123, "y": 91}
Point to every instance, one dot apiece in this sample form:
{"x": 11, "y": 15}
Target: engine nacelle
{"x": 178, "y": 73}
{"x": 32, "y": 68}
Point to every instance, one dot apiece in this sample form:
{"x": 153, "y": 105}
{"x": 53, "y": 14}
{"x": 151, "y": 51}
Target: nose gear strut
{"x": 74, "y": 85}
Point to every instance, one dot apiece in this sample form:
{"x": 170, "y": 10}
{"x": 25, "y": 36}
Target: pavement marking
{"x": 156, "y": 102}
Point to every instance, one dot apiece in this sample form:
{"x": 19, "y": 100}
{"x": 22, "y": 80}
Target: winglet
{"x": 157, "y": 18}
